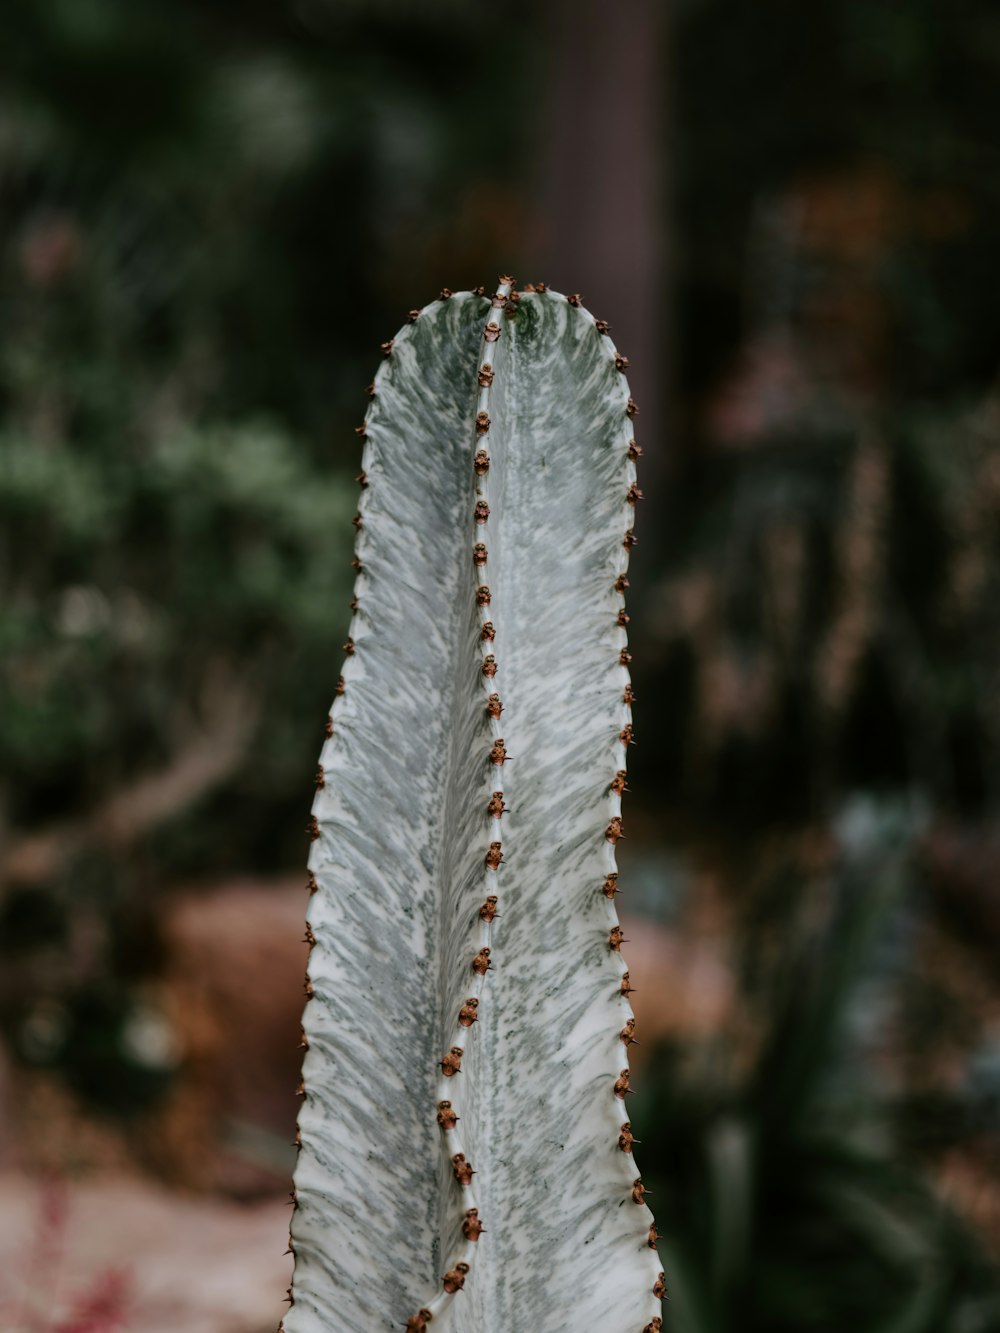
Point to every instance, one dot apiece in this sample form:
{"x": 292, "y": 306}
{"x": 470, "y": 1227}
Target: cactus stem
{"x": 484, "y": 428}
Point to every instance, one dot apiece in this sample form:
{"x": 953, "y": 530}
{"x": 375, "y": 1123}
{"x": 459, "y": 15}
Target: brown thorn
{"x": 446, "y": 1117}
{"x": 454, "y": 1279}
{"x": 626, "y": 1138}
{"x": 451, "y": 1063}
{"x": 481, "y": 963}
{"x": 461, "y": 1169}
{"x": 621, "y": 1086}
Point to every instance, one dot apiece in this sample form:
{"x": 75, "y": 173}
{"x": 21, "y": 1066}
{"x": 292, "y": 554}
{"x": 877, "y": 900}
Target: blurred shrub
{"x": 782, "y": 1186}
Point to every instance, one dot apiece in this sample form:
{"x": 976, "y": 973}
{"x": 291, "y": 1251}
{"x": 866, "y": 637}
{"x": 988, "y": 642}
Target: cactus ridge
{"x": 452, "y": 1140}
{"x": 466, "y": 1044}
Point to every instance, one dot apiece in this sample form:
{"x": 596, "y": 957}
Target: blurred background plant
{"x": 211, "y": 217}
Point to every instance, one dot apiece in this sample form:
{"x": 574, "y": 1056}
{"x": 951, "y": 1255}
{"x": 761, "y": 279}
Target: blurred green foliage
{"x": 826, "y": 617}
{"x": 205, "y": 216}
{"x": 775, "y": 1148}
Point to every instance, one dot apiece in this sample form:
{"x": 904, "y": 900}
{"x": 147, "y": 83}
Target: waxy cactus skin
{"x": 465, "y": 1153}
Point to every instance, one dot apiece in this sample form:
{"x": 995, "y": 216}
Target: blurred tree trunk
{"x": 603, "y": 224}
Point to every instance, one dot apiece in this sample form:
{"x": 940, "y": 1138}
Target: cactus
{"x": 468, "y": 1021}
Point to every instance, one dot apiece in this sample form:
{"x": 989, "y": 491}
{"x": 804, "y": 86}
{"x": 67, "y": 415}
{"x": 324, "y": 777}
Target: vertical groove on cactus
{"x": 493, "y": 543}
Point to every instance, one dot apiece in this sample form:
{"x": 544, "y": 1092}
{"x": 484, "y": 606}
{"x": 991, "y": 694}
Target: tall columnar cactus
{"x": 465, "y": 1150}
